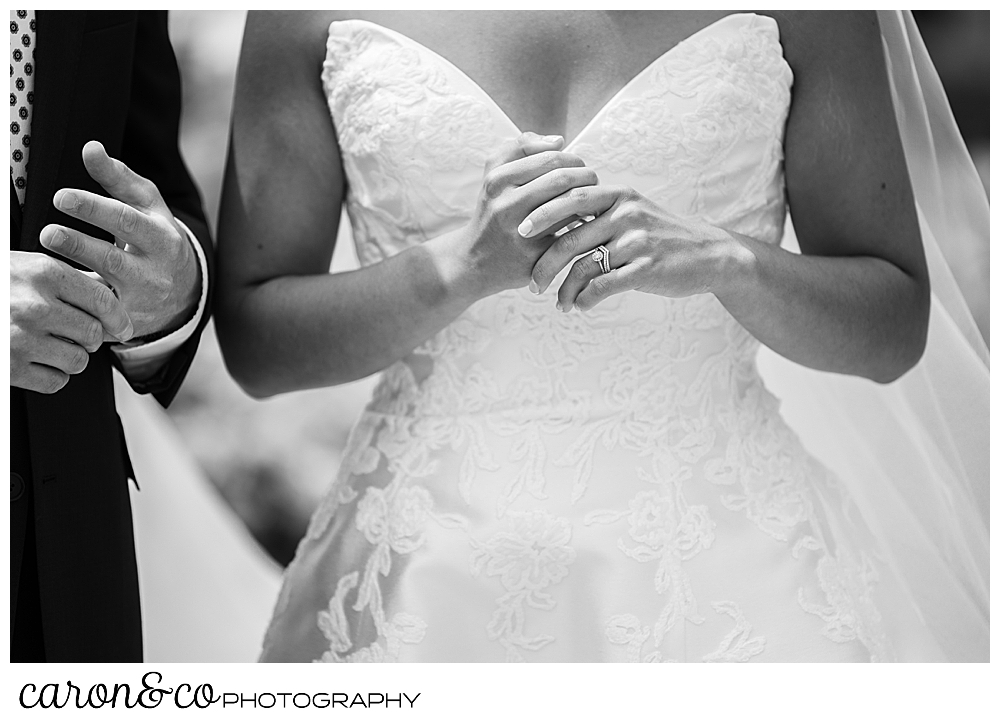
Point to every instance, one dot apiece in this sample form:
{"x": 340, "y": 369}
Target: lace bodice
{"x": 524, "y": 462}
{"x": 699, "y": 131}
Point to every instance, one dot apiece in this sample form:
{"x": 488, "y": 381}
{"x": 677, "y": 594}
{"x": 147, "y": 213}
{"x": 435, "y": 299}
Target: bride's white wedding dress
{"x": 616, "y": 485}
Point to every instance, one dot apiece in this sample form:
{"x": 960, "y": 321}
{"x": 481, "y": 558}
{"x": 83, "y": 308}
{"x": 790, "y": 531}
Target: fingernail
{"x": 552, "y": 139}
{"x": 52, "y": 238}
{"x": 532, "y": 287}
{"x": 525, "y": 228}
{"x": 66, "y": 200}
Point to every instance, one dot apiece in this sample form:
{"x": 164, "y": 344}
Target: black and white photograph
{"x": 486, "y": 336}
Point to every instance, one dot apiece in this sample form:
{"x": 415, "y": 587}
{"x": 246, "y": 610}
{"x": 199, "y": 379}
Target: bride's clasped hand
{"x": 629, "y": 243}
{"x": 488, "y": 255}
{"x": 647, "y": 248}
{"x": 540, "y": 208}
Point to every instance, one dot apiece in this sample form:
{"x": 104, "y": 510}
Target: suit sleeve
{"x": 150, "y": 148}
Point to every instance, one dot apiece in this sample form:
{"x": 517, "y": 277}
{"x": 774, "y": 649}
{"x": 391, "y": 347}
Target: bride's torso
{"x": 619, "y": 479}
{"x": 696, "y": 127}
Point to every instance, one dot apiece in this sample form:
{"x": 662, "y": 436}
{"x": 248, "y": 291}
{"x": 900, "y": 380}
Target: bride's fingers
{"x": 526, "y": 144}
{"x": 586, "y": 201}
{"x": 553, "y": 185}
{"x": 616, "y": 281}
{"x": 526, "y": 170}
{"x": 587, "y": 269}
{"x": 565, "y": 248}
{"x": 587, "y": 283}
{"x": 566, "y": 225}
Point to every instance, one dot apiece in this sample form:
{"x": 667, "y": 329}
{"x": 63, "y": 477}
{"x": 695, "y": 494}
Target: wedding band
{"x": 603, "y": 258}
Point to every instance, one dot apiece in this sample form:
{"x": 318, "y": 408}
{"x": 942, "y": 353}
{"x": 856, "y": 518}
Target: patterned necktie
{"x": 22, "y": 84}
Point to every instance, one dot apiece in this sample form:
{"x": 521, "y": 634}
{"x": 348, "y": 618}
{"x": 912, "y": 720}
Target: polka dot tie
{"x": 22, "y": 84}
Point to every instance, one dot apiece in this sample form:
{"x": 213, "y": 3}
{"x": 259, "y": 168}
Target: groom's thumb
{"x": 118, "y": 179}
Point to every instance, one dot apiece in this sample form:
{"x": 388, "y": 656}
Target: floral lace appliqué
{"x": 529, "y": 555}
{"x": 737, "y": 646}
{"x": 849, "y": 611}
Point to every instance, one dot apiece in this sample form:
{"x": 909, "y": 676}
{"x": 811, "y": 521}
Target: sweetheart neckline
{"x": 601, "y": 111}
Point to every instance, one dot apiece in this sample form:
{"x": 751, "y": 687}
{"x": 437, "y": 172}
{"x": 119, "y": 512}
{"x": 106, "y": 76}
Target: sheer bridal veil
{"x": 915, "y": 453}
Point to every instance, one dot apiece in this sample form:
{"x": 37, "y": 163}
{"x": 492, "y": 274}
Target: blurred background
{"x": 271, "y": 460}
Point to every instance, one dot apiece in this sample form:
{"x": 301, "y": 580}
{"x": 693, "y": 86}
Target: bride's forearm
{"x": 283, "y": 327}
{"x": 300, "y": 332}
{"x": 858, "y": 315}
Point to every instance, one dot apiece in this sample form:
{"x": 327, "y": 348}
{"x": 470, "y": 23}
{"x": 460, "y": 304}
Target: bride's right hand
{"x": 488, "y": 255}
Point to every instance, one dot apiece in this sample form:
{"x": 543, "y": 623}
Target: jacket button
{"x": 16, "y": 486}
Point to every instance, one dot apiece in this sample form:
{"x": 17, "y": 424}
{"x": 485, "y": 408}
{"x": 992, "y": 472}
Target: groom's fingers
{"x": 105, "y": 336}
{"x": 119, "y": 219}
{"x": 111, "y": 262}
{"x": 44, "y": 379}
{"x": 78, "y": 327}
{"x": 62, "y": 355}
{"x": 118, "y": 179}
{"x": 96, "y": 299}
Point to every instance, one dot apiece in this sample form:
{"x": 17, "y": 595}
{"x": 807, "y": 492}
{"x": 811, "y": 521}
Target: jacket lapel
{"x": 58, "y": 38}
{"x": 15, "y": 219}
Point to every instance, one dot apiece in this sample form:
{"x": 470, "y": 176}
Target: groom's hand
{"x": 151, "y": 266}
{"x": 57, "y": 316}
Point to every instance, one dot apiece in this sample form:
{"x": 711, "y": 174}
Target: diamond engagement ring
{"x": 603, "y": 259}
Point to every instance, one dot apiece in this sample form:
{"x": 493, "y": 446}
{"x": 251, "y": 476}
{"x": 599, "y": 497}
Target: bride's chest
{"x": 549, "y": 70}
{"x": 699, "y": 129}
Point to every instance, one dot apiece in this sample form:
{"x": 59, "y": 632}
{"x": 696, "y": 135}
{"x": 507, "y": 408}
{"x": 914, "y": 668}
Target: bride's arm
{"x": 285, "y": 323}
{"x": 856, "y": 300}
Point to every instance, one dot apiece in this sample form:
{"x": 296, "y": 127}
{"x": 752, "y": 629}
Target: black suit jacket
{"x": 109, "y": 76}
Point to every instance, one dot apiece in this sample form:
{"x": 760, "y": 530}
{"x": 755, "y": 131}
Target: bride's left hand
{"x": 649, "y": 249}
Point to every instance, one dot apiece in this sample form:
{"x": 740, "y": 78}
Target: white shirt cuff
{"x": 142, "y": 360}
